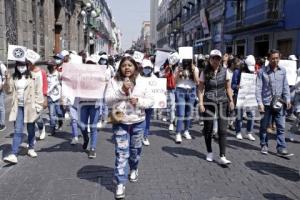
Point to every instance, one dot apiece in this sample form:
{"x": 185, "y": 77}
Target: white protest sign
{"x": 246, "y": 95}
{"x": 138, "y": 56}
{"x": 32, "y": 56}
{"x": 160, "y": 59}
{"x": 291, "y": 69}
{"x": 158, "y": 90}
{"x": 75, "y": 59}
{"x": 186, "y": 52}
{"x": 16, "y": 53}
{"x": 84, "y": 81}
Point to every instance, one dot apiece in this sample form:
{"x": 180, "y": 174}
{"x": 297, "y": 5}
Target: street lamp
{"x": 87, "y": 13}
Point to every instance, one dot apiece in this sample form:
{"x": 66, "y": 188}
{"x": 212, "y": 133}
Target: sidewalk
{"x": 167, "y": 171}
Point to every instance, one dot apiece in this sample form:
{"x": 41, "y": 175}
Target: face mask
{"x": 57, "y": 61}
{"x": 102, "y": 62}
{"x": 147, "y": 71}
{"x": 22, "y": 69}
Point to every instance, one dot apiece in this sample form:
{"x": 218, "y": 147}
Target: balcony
{"x": 161, "y": 24}
{"x": 262, "y": 15}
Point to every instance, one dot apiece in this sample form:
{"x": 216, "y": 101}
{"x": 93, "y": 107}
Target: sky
{"x": 129, "y": 16}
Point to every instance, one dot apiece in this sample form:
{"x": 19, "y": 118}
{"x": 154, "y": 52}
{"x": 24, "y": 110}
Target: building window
{"x": 240, "y": 7}
{"x": 285, "y": 47}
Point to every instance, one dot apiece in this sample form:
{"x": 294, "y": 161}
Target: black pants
{"x": 210, "y": 110}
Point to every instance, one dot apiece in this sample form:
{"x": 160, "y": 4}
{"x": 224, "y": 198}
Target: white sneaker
{"x": 171, "y": 127}
{"x": 178, "y": 138}
{"x": 187, "y": 135}
{"x": 43, "y": 133}
{"x": 146, "y": 142}
{"x": 74, "y": 141}
{"x": 250, "y": 137}
{"x": 12, "y": 158}
{"x": 239, "y": 136}
{"x": 133, "y": 177}
{"x": 120, "y": 191}
{"x": 210, "y": 157}
{"x": 164, "y": 119}
{"x": 224, "y": 161}
{"x": 67, "y": 115}
{"x": 99, "y": 125}
{"x": 32, "y": 153}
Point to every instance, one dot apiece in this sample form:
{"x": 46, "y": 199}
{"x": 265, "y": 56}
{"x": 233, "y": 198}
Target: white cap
{"x": 32, "y": 56}
{"x": 215, "y": 52}
{"x": 93, "y": 58}
{"x": 104, "y": 56}
{"x": 173, "y": 58}
{"x": 147, "y": 63}
{"x": 64, "y": 53}
{"x": 293, "y": 57}
{"x": 250, "y": 62}
{"x": 74, "y": 52}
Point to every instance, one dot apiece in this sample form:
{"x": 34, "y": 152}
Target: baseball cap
{"x": 58, "y": 56}
{"x": 215, "y": 52}
{"x": 147, "y": 63}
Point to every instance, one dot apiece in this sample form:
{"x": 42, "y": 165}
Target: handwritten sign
{"x": 246, "y": 95}
{"x": 83, "y": 80}
{"x": 158, "y": 89}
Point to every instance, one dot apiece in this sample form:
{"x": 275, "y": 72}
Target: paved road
{"x": 167, "y": 170}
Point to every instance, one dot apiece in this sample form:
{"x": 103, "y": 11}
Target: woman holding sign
{"x": 250, "y": 111}
{"x": 129, "y": 97}
{"x": 214, "y": 95}
{"x": 26, "y": 105}
{"x": 186, "y": 77}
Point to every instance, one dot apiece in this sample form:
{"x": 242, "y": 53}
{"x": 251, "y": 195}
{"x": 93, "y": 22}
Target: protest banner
{"x": 160, "y": 59}
{"x": 246, "y": 95}
{"x": 291, "y": 70}
{"x": 158, "y": 90}
{"x": 138, "y": 56}
{"x": 16, "y": 53}
{"x": 83, "y": 80}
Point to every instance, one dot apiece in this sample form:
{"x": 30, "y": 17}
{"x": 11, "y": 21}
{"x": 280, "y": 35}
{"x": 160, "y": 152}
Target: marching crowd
{"x": 204, "y": 84}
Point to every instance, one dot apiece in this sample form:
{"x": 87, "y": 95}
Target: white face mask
{"x": 57, "y": 61}
{"x": 22, "y": 69}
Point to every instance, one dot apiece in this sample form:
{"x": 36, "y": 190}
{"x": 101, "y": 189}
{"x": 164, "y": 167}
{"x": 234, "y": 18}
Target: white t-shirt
{"x": 187, "y": 83}
{"x": 228, "y": 76}
{"x": 21, "y": 84}
{"x": 3, "y": 70}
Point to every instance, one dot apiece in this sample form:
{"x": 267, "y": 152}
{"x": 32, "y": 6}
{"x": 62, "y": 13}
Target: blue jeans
{"x": 89, "y": 111}
{"x": 148, "y": 113}
{"x": 239, "y": 119}
{"x": 171, "y": 105}
{"x": 2, "y": 108}
{"x": 185, "y": 99}
{"x": 279, "y": 119}
{"x": 18, "y": 132}
{"x": 55, "y": 112}
{"x": 128, "y": 148}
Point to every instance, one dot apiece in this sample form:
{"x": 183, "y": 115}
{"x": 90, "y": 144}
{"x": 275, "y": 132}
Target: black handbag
{"x": 277, "y": 104}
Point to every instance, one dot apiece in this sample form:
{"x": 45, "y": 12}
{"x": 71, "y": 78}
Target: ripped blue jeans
{"x": 128, "y": 148}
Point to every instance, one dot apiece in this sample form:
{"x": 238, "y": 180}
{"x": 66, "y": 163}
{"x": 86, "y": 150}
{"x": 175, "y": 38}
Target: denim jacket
{"x": 270, "y": 83}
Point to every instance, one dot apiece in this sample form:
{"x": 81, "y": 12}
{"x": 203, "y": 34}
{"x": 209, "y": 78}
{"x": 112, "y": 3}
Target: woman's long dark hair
{"x": 120, "y": 77}
{"x": 209, "y": 72}
{"x": 18, "y": 75}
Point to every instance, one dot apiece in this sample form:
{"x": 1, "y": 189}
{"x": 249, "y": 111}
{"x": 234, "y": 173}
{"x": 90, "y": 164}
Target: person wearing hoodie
{"x": 248, "y": 67}
{"x": 128, "y": 98}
